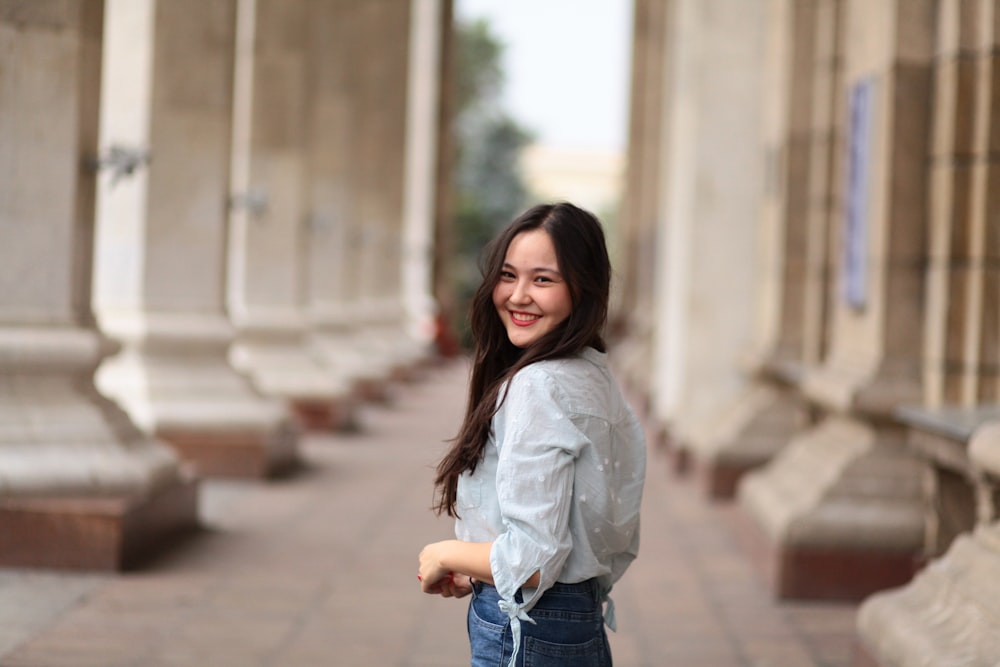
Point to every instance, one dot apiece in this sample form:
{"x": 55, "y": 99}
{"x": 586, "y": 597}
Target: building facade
{"x": 812, "y": 305}
{"x": 218, "y": 228}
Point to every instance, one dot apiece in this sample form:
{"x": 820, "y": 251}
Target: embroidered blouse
{"x": 560, "y": 484}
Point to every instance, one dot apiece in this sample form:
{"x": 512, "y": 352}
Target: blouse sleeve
{"x": 538, "y": 446}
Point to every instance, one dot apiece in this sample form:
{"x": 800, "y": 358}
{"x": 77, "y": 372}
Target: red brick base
{"x": 839, "y": 574}
{"x": 862, "y": 658}
{"x": 796, "y": 572}
{"x": 323, "y": 415}
{"x": 720, "y": 480}
{"x": 254, "y": 455}
{"x": 373, "y": 391}
{"x": 102, "y": 534}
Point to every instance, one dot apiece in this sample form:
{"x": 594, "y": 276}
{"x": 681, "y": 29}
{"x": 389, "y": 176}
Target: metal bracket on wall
{"x": 123, "y": 161}
{"x": 254, "y": 202}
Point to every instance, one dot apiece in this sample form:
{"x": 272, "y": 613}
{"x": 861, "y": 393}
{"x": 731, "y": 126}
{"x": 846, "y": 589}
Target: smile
{"x": 523, "y": 319}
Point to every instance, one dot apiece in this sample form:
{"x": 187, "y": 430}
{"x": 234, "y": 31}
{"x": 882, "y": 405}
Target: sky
{"x": 567, "y": 67}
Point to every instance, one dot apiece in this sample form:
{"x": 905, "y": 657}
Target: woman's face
{"x": 531, "y": 297}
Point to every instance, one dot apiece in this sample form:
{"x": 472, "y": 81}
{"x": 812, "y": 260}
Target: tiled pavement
{"x": 319, "y": 570}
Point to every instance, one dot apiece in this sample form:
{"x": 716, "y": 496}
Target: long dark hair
{"x": 582, "y": 255}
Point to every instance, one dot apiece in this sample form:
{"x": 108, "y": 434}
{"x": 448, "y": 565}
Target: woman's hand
{"x": 448, "y": 568}
{"x": 456, "y": 586}
{"x": 434, "y": 577}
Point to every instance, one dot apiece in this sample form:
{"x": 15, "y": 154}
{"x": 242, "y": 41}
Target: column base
{"x": 862, "y": 658}
{"x": 320, "y": 415}
{"x": 742, "y": 437}
{"x": 839, "y": 514}
{"x": 94, "y": 533}
{"x": 279, "y": 367}
{"x": 176, "y": 383}
{"x": 948, "y": 615}
{"x": 235, "y": 454}
{"x": 801, "y": 573}
{"x": 368, "y": 376}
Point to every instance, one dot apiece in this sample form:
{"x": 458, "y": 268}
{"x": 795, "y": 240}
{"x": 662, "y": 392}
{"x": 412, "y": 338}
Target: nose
{"x": 520, "y": 293}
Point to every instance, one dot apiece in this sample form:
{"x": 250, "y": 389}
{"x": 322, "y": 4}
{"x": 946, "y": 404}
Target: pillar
{"x": 160, "y": 284}
{"x": 949, "y": 614}
{"x": 710, "y": 183}
{"x": 633, "y": 296}
{"x": 80, "y": 485}
{"x": 358, "y": 123}
{"x": 423, "y": 111}
{"x": 266, "y": 291}
{"x": 841, "y": 509}
{"x": 385, "y": 97}
{"x": 761, "y": 419}
{"x": 334, "y": 235}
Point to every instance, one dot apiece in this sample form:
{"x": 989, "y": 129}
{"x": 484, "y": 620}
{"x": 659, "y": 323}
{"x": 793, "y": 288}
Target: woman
{"x": 545, "y": 476}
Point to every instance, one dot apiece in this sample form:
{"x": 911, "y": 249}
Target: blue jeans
{"x": 568, "y": 629}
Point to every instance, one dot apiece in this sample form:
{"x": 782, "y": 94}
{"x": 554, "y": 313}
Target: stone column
{"x": 762, "y": 418}
{"x": 80, "y": 486}
{"x": 648, "y": 106}
{"x": 711, "y": 185}
{"x": 333, "y": 257}
{"x": 267, "y": 218}
{"x": 950, "y": 613}
{"x": 384, "y": 98}
{"x": 160, "y": 283}
{"x": 446, "y": 339}
{"x": 959, "y": 380}
{"x": 841, "y": 508}
{"x": 421, "y": 167}
{"x": 358, "y": 121}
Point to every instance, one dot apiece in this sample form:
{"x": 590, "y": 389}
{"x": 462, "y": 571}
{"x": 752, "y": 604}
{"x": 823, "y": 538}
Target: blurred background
{"x": 227, "y": 223}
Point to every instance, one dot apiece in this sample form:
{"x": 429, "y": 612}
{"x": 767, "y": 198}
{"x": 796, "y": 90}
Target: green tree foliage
{"x": 489, "y": 188}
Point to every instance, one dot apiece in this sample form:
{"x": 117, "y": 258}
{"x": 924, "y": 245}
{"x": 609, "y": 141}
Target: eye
{"x": 543, "y": 279}
{"x": 506, "y": 275}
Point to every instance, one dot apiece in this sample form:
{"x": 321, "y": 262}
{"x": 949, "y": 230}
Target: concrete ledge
{"x": 374, "y": 390}
{"x": 237, "y": 454}
{"x": 862, "y": 658}
{"x": 984, "y": 448}
{"x": 802, "y": 573}
{"x": 321, "y": 415}
{"x": 948, "y": 615}
{"x": 839, "y": 514}
{"x": 745, "y": 435}
{"x": 720, "y": 479}
{"x": 102, "y": 534}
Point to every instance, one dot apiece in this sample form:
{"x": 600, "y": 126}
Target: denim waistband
{"x": 589, "y": 587}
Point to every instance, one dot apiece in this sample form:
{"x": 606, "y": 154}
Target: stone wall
{"x": 856, "y": 427}
{"x": 203, "y": 215}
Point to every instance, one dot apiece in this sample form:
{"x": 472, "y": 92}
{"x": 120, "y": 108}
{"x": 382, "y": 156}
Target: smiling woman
{"x": 545, "y": 477}
{"x": 531, "y": 297}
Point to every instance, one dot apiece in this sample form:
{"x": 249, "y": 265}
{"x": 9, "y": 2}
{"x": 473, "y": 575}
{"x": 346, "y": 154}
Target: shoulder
{"x": 561, "y": 379}
{"x": 588, "y": 362}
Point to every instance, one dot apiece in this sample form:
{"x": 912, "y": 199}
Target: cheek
{"x": 499, "y": 296}
{"x": 565, "y": 304}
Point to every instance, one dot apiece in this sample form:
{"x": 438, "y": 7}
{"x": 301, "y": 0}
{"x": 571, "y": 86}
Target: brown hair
{"x": 583, "y": 262}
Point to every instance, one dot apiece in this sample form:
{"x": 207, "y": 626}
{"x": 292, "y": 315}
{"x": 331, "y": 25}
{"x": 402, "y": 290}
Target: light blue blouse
{"x": 560, "y": 484}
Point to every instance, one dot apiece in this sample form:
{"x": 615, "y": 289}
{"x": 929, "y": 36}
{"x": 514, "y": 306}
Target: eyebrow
{"x": 539, "y": 269}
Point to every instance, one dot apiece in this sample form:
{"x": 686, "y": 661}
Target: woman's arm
{"x": 439, "y": 559}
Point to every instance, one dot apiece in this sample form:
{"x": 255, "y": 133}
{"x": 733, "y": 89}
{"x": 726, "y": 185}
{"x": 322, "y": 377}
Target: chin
{"x": 517, "y": 339}
{"x": 522, "y": 341}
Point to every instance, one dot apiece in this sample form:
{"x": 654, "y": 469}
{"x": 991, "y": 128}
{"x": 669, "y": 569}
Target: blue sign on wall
{"x": 854, "y": 268}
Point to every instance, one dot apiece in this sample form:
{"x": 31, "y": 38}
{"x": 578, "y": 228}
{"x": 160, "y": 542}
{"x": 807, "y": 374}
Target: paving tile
{"x": 318, "y": 569}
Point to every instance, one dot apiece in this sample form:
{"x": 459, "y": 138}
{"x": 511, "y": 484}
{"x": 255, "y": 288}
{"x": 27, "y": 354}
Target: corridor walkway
{"x": 319, "y": 570}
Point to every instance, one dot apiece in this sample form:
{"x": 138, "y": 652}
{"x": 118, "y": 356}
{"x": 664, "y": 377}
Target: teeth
{"x": 522, "y": 317}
